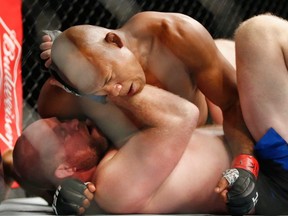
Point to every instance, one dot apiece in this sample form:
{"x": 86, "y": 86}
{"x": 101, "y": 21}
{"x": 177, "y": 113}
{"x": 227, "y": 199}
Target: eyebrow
{"x": 69, "y": 89}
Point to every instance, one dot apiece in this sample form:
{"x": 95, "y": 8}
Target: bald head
{"x": 83, "y": 36}
{"x": 73, "y": 52}
{"x": 32, "y": 155}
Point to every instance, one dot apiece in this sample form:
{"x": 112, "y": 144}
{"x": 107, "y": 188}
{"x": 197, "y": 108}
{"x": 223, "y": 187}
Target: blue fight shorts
{"x": 272, "y": 184}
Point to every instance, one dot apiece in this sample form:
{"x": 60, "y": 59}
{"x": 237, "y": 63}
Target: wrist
{"x": 246, "y": 162}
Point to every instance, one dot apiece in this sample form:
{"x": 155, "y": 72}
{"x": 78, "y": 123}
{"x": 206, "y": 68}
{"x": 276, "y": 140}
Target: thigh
{"x": 262, "y": 74}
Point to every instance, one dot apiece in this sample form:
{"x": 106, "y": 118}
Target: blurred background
{"x": 220, "y": 17}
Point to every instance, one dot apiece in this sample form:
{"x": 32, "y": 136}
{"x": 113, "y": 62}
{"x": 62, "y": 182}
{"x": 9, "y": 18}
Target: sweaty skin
{"x": 174, "y": 52}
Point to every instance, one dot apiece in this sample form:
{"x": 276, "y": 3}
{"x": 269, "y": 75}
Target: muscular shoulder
{"x": 162, "y": 16}
{"x": 150, "y": 15}
{"x": 153, "y": 16}
{"x": 161, "y": 21}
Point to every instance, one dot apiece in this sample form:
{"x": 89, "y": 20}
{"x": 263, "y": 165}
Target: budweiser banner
{"x": 10, "y": 73}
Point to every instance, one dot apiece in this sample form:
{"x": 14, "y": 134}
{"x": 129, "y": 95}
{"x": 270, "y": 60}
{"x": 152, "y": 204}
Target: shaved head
{"x": 72, "y": 52}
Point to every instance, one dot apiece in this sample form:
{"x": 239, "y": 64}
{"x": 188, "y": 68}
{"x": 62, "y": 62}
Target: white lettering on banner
{"x": 9, "y": 62}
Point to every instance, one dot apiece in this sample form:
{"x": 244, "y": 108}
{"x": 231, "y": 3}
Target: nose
{"x": 113, "y": 89}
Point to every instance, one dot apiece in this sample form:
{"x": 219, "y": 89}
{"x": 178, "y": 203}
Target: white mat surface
{"x": 38, "y": 206}
{"x": 25, "y": 206}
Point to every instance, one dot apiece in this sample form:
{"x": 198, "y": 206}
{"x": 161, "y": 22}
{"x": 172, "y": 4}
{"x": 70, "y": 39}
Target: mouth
{"x": 132, "y": 90}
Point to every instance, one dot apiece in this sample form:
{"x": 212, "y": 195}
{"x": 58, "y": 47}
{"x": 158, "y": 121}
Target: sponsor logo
{"x": 255, "y": 199}
{"x": 10, "y": 56}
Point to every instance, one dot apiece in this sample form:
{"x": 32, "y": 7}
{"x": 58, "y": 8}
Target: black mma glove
{"x": 242, "y": 195}
{"x": 69, "y": 197}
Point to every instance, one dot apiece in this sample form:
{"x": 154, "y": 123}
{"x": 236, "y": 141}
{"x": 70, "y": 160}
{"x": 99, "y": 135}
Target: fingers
{"x": 91, "y": 187}
{"x": 224, "y": 196}
{"x": 81, "y": 211}
{"x": 86, "y": 203}
{"x": 46, "y": 38}
{"x": 89, "y": 193}
{"x": 48, "y": 63}
{"x": 222, "y": 185}
{"x": 45, "y": 54}
{"x": 46, "y": 45}
{"x": 222, "y": 189}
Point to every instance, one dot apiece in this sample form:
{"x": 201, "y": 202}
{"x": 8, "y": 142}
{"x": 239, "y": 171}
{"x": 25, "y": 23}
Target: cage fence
{"x": 220, "y": 17}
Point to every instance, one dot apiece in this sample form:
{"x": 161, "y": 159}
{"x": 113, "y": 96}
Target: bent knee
{"x": 261, "y": 26}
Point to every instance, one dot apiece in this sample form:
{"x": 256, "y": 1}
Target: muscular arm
{"x": 214, "y": 75}
{"x": 53, "y": 101}
{"x": 216, "y": 78}
{"x": 127, "y": 181}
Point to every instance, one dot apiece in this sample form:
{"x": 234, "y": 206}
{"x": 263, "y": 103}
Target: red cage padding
{"x": 10, "y": 73}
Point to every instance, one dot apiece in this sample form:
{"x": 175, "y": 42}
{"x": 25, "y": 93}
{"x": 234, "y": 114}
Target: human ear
{"x": 64, "y": 170}
{"x": 113, "y": 38}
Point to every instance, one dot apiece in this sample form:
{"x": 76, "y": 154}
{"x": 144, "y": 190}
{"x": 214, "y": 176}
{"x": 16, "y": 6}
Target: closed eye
{"x": 108, "y": 79}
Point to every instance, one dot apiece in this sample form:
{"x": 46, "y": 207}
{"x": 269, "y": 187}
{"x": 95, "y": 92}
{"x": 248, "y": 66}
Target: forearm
{"x": 155, "y": 112}
{"x": 236, "y": 132}
{"x": 240, "y": 180}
